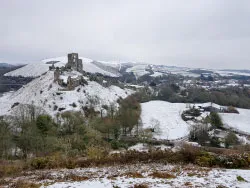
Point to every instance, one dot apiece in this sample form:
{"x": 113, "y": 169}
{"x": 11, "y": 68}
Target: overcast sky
{"x": 192, "y": 33}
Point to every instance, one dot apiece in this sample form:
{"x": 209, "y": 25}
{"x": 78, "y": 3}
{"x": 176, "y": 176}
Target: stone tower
{"x": 74, "y": 62}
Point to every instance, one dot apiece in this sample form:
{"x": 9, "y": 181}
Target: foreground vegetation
{"x": 204, "y": 157}
{"x": 30, "y": 140}
{"x": 30, "y": 132}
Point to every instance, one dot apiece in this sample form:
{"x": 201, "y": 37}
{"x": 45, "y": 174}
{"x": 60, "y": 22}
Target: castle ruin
{"x": 75, "y": 64}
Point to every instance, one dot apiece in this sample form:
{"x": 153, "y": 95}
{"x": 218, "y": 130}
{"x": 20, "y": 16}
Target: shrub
{"x": 215, "y": 120}
{"x": 215, "y": 142}
{"x": 24, "y": 184}
{"x": 231, "y": 139}
{"x": 205, "y": 159}
{"x": 9, "y": 169}
{"x": 164, "y": 175}
{"x": 231, "y": 109}
{"x": 189, "y": 153}
{"x": 133, "y": 175}
{"x": 199, "y": 133}
{"x": 239, "y": 178}
{"x": 39, "y": 163}
{"x": 95, "y": 152}
{"x": 141, "y": 186}
{"x": 74, "y": 177}
{"x": 115, "y": 144}
{"x": 70, "y": 163}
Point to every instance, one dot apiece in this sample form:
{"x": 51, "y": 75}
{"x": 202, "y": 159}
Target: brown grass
{"x": 187, "y": 155}
{"x": 74, "y": 177}
{"x": 9, "y": 168}
{"x": 3, "y": 182}
{"x": 44, "y": 176}
{"x": 188, "y": 184}
{"x": 224, "y": 151}
{"x": 141, "y": 186}
{"x": 164, "y": 175}
{"x": 113, "y": 177}
{"x": 24, "y": 184}
{"x": 133, "y": 175}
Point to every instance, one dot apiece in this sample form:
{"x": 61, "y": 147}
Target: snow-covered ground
{"x": 157, "y": 74}
{"x": 144, "y": 147}
{"x": 167, "y": 116}
{"x": 184, "y": 71}
{"x": 43, "y": 92}
{"x": 138, "y": 70}
{"x": 213, "y": 179}
{"x": 126, "y": 176}
{"x": 239, "y": 121}
{"x": 38, "y": 68}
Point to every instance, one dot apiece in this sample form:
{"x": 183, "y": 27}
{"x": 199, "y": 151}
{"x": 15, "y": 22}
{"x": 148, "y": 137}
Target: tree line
{"x": 30, "y": 132}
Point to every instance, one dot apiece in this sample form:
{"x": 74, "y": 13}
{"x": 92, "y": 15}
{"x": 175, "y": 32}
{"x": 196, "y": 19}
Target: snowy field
{"x": 126, "y": 176}
{"x": 138, "y": 70}
{"x": 156, "y": 74}
{"x": 168, "y": 118}
{"x": 214, "y": 179}
{"x": 239, "y": 121}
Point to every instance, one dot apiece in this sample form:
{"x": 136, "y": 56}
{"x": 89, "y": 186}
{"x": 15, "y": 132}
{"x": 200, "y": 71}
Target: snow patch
{"x": 168, "y": 116}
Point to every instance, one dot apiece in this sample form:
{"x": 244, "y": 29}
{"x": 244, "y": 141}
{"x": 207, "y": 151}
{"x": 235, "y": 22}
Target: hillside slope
{"x": 43, "y": 92}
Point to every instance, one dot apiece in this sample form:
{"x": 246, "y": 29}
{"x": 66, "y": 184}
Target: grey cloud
{"x": 211, "y": 34}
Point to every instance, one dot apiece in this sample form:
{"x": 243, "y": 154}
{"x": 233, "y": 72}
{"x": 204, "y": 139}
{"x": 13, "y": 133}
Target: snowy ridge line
{"x": 38, "y": 68}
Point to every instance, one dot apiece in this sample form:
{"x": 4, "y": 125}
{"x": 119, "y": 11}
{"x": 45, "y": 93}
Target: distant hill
{"x": 6, "y": 65}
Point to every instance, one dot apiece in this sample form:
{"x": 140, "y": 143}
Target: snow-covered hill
{"x": 30, "y": 70}
{"x": 39, "y": 68}
{"x": 167, "y": 116}
{"x": 139, "y": 70}
{"x": 239, "y": 121}
{"x": 43, "y": 92}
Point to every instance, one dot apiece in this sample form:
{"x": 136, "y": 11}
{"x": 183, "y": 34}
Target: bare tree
{"x": 155, "y": 126}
